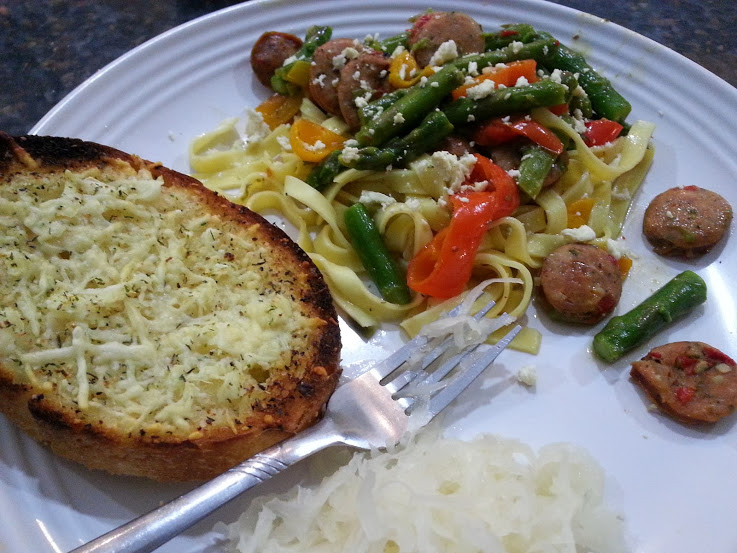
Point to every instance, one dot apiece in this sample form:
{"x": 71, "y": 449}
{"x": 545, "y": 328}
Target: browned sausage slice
{"x": 691, "y": 381}
{"x": 686, "y": 222}
{"x": 327, "y": 62}
{"x": 582, "y": 283}
{"x": 433, "y": 29}
{"x": 269, "y": 53}
{"x": 363, "y": 77}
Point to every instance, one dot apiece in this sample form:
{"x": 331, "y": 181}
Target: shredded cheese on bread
{"x": 138, "y": 308}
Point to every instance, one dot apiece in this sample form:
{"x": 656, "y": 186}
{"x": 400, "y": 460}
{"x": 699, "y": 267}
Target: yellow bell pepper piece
{"x": 299, "y": 73}
{"x": 404, "y": 71}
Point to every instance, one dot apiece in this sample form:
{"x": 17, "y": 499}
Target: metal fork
{"x": 366, "y": 412}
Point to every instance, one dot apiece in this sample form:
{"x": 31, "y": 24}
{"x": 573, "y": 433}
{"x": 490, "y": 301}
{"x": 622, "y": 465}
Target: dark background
{"x": 48, "y": 47}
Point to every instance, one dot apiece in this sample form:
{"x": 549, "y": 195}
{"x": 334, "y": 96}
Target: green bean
{"x": 534, "y": 168}
{"x": 316, "y": 35}
{"x": 374, "y": 255}
{"x": 543, "y": 93}
{"x": 625, "y": 332}
{"x": 402, "y": 150}
{"x": 406, "y": 113}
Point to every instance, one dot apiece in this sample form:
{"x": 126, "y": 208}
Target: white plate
{"x": 675, "y": 486}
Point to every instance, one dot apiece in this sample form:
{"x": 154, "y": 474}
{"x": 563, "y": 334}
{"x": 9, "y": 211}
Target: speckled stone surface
{"x": 48, "y": 47}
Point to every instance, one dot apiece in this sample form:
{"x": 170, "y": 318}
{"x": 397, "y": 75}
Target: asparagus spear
{"x": 537, "y": 50}
{"x": 605, "y": 100}
{"x": 374, "y": 255}
{"x": 408, "y": 111}
{"x": 316, "y": 35}
{"x": 521, "y": 32}
{"x": 625, "y": 332}
{"x": 372, "y": 109}
{"x": 504, "y": 101}
{"x": 424, "y": 137}
{"x": 325, "y": 172}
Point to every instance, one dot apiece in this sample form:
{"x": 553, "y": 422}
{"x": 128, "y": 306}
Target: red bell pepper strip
{"x": 498, "y": 131}
{"x": 442, "y": 267}
{"x": 601, "y": 131}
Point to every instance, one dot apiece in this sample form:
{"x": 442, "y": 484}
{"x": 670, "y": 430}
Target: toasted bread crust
{"x": 293, "y": 400}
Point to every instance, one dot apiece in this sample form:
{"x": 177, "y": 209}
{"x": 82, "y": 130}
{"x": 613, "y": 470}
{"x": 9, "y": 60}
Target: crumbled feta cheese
{"x": 584, "y": 233}
{"x": 516, "y": 46}
{"x": 527, "y": 375}
{"x": 514, "y": 173}
{"x": 449, "y": 169}
{"x": 341, "y": 59}
{"x": 473, "y": 69}
{"x": 284, "y": 143}
{"x": 555, "y": 76}
{"x": 447, "y": 51}
{"x": 399, "y": 118}
{"x": 256, "y": 128}
{"x": 481, "y": 90}
{"x": 471, "y": 118}
{"x": 623, "y": 194}
{"x": 413, "y": 203}
{"x": 369, "y": 197}
{"x": 320, "y": 80}
{"x": 617, "y": 249}
{"x": 397, "y": 51}
{"x": 522, "y": 81}
{"x": 349, "y": 154}
{"x": 434, "y": 84}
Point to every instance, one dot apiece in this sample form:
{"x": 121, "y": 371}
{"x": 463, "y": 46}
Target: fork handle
{"x": 150, "y": 531}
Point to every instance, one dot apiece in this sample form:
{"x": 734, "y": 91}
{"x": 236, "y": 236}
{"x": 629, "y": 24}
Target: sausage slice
{"x": 581, "y": 283}
{"x": 363, "y": 77}
{"x": 327, "y": 62}
{"x": 686, "y": 222}
{"x": 692, "y": 382}
{"x": 433, "y": 29}
{"x": 270, "y": 52}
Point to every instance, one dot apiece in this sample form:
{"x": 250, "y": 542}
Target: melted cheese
{"x": 134, "y": 303}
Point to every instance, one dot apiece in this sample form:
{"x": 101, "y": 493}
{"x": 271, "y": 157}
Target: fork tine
{"x": 391, "y": 363}
{"x": 404, "y": 378}
{"x": 441, "y": 400}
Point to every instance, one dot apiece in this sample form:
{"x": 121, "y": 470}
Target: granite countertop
{"x": 48, "y": 47}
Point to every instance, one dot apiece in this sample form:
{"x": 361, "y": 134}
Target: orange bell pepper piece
{"x": 507, "y": 75}
{"x": 279, "y": 109}
{"x": 313, "y": 142}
